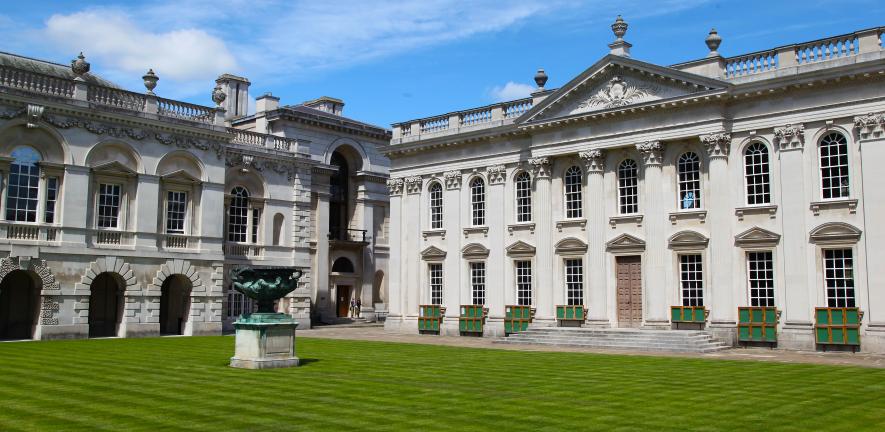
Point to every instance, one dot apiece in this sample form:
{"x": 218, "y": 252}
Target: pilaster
{"x": 594, "y": 162}
{"x": 495, "y": 220}
{"x": 655, "y": 308}
{"x": 412, "y": 223}
{"x": 721, "y": 289}
{"x": 452, "y": 266}
{"x": 395, "y": 303}
{"x": 545, "y": 261}
{"x": 871, "y": 138}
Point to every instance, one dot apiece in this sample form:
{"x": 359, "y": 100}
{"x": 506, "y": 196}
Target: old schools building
{"x": 123, "y": 212}
{"x": 742, "y": 195}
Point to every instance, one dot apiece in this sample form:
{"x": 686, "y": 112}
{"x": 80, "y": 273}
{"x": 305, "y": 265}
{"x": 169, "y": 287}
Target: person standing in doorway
{"x": 359, "y": 306}
{"x": 352, "y": 307}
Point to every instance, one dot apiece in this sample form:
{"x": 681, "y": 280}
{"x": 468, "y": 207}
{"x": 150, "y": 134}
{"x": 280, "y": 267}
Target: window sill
{"x": 484, "y": 230}
{"x": 631, "y": 218}
{"x": 700, "y": 215}
{"x": 521, "y": 226}
{"x": 571, "y": 223}
{"x": 441, "y": 233}
{"x": 834, "y": 204}
{"x": 770, "y": 209}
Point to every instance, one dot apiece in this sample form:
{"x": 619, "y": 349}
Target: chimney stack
{"x": 236, "y": 91}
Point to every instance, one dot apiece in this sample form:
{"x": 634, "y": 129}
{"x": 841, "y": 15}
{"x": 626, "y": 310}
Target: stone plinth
{"x": 265, "y": 341}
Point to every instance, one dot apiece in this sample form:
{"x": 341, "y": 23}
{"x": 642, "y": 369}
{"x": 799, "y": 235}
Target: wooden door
{"x": 103, "y": 306}
{"x": 343, "y": 293}
{"x": 629, "y": 270}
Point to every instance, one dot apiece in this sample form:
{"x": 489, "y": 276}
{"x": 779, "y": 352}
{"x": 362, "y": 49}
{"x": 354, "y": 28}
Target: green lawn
{"x": 185, "y": 383}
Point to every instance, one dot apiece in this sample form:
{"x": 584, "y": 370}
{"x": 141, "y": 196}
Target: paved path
{"x": 759, "y": 354}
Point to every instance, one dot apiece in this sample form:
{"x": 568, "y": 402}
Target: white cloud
{"x": 114, "y": 41}
{"x": 510, "y": 91}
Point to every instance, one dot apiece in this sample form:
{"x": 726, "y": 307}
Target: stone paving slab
{"x": 757, "y": 354}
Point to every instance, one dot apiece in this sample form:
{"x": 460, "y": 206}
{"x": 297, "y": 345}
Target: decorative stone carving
{"x": 413, "y": 184}
{"x": 618, "y": 93}
{"x": 625, "y": 243}
{"x": 835, "y": 233}
{"x": 496, "y": 174}
{"x": 540, "y": 167}
{"x": 177, "y": 267}
{"x": 11, "y": 113}
{"x": 541, "y": 79}
{"x": 188, "y": 142}
{"x": 453, "y": 179}
{"x": 433, "y": 253}
{"x": 475, "y": 251}
{"x": 790, "y": 137}
{"x": 109, "y": 264}
{"x": 260, "y": 164}
{"x": 713, "y": 41}
{"x": 150, "y": 81}
{"x": 872, "y": 123}
{"x": 687, "y": 240}
{"x": 652, "y": 152}
{"x": 717, "y": 144}
{"x": 520, "y": 249}
{"x": 619, "y": 28}
{"x": 218, "y": 95}
{"x": 570, "y": 246}
{"x": 757, "y": 237}
{"x": 80, "y": 66}
{"x": 395, "y": 186}
{"x": 49, "y": 305}
{"x": 35, "y": 113}
{"x": 594, "y": 160}
{"x": 49, "y": 308}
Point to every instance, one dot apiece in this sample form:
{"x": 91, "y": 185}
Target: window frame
{"x": 757, "y": 301}
{"x": 185, "y": 216}
{"x": 120, "y": 224}
{"x": 568, "y": 283}
{"x": 436, "y": 216}
{"x": 521, "y": 285}
{"x": 622, "y": 196}
{"x": 846, "y": 167}
{"x": 682, "y": 183}
{"x": 246, "y": 214}
{"x": 764, "y": 175}
{"x": 698, "y": 299}
{"x": 478, "y": 197}
{"x": 431, "y": 285}
{"x": 523, "y": 203}
{"x": 573, "y": 200}
{"x": 472, "y": 271}
{"x": 853, "y": 300}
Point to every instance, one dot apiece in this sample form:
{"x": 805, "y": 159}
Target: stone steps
{"x": 620, "y": 339}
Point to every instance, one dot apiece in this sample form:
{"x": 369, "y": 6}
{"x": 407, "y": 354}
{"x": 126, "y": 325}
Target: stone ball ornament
{"x": 150, "y": 81}
{"x": 80, "y": 66}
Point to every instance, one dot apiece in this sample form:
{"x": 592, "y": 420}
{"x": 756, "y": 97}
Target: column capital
{"x": 717, "y": 144}
{"x": 413, "y": 184}
{"x": 791, "y": 136}
{"x": 540, "y": 166}
{"x": 651, "y": 152}
{"x": 496, "y": 174}
{"x": 870, "y": 124}
{"x": 594, "y": 160}
{"x": 453, "y": 179}
{"x": 395, "y": 186}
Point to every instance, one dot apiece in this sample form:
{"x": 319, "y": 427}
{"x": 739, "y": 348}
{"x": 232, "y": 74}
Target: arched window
{"x": 478, "y": 201}
{"x": 573, "y": 201}
{"x": 756, "y": 174}
{"x": 834, "y": 166}
{"x": 436, "y": 206}
{"x": 523, "y": 197}
{"x": 689, "y": 169}
{"x": 238, "y": 215}
{"x": 22, "y": 192}
{"x": 628, "y": 187}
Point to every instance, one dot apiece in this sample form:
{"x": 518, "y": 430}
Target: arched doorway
{"x": 19, "y": 305}
{"x": 174, "y": 304}
{"x": 338, "y": 201}
{"x": 105, "y": 305}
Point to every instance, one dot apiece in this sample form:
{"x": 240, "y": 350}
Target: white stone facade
{"x": 748, "y": 180}
{"x": 123, "y": 212}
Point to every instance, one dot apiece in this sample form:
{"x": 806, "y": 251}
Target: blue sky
{"x": 398, "y": 60}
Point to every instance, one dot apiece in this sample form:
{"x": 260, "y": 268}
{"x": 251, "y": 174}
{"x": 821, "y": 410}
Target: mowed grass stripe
{"x": 185, "y": 384}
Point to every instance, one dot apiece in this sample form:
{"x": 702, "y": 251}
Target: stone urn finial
{"x": 541, "y": 79}
{"x": 80, "y": 66}
{"x": 619, "y": 28}
{"x": 713, "y": 41}
{"x": 218, "y": 95}
{"x": 150, "y": 81}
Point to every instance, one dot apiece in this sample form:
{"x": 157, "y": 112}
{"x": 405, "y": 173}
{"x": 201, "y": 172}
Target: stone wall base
{"x": 67, "y": 331}
{"x": 206, "y": 328}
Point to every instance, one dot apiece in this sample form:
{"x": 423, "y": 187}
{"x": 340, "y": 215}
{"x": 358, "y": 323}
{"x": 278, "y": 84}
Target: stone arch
{"x": 343, "y": 265}
{"x": 176, "y": 267}
{"x": 112, "y": 151}
{"x": 49, "y": 287}
{"x": 247, "y": 178}
{"x": 109, "y": 264}
{"x": 181, "y": 161}
{"x": 352, "y": 151}
{"x": 51, "y": 145}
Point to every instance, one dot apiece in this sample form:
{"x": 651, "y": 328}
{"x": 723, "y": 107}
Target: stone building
{"x": 719, "y": 182}
{"x": 123, "y": 212}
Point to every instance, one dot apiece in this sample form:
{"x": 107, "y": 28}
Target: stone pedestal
{"x": 265, "y": 341}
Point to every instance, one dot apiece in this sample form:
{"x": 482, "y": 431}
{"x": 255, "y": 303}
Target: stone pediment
{"x": 616, "y": 82}
{"x": 433, "y": 253}
{"x": 475, "y": 250}
{"x": 688, "y": 240}
{"x": 755, "y": 237}
{"x": 520, "y": 248}
{"x": 180, "y": 176}
{"x": 835, "y": 233}
{"x": 625, "y": 242}
{"x": 114, "y": 167}
{"x": 571, "y": 245}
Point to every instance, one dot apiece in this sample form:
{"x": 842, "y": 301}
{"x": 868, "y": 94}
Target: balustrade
{"x": 185, "y": 111}
{"x": 243, "y": 250}
{"x": 113, "y": 238}
{"x": 517, "y": 108}
{"x": 30, "y": 232}
{"x": 36, "y": 82}
{"x": 474, "y": 117}
{"x": 434, "y": 124}
{"x": 175, "y": 241}
{"x": 827, "y": 49}
{"x": 750, "y": 64}
{"x": 117, "y": 98}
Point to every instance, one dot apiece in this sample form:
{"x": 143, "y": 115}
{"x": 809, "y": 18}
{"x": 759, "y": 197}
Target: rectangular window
{"x": 478, "y": 282}
{"x": 573, "y": 198}
{"x": 21, "y": 193}
{"x": 478, "y": 202}
{"x": 691, "y": 276}
{"x": 436, "y": 283}
{"x": 760, "y": 277}
{"x": 436, "y": 206}
{"x": 237, "y": 304}
{"x": 839, "y": 277}
{"x": 524, "y": 283}
{"x": 108, "y": 205}
{"x": 176, "y": 211}
{"x": 256, "y": 218}
{"x": 834, "y": 166}
{"x": 628, "y": 187}
{"x": 51, "y": 199}
{"x": 523, "y": 197}
{"x": 574, "y": 281}
{"x": 689, "y": 171}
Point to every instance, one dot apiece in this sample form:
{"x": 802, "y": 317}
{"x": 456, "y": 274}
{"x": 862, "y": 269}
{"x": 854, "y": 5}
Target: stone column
{"x": 367, "y": 206}
{"x": 655, "y": 308}
{"x": 721, "y": 289}
{"x": 496, "y": 262}
{"x": 452, "y": 266}
{"x": 396, "y": 273}
{"x": 794, "y": 209}
{"x": 594, "y": 161}
{"x": 544, "y": 265}
{"x": 871, "y": 134}
{"x": 321, "y": 226}
{"x": 411, "y": 219}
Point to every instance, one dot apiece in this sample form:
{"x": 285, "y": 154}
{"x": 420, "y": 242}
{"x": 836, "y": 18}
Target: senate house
{"x": 123, "y": 212}
{"x": 657, "y": 197}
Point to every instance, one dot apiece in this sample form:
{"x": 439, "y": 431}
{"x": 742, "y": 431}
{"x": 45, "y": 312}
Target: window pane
{"x": 523, "y": 197}
{"x": 176, "y": 210}
{"x": 478, "y": 202}
{"x": 108, "y": 205}
{"x": 436, "y": 283}
{"x": 436, "y": 206}
{"x": 691, "y": 276}
{"x": 573, "y": 202}
{"x": 834, "y": 166}
{"x": 689, "y": 168}
{"x": 574, "y": 281}
{"x": 839, "y": 277}
{"x": 51, "y": 199}
{"x": 238, "y": 215}
{"x": 628, "y": 187}
{"x": 22, "y": 192}
{"x": 756, "y": 174}
{"x": 760, "y": 278}
{"x": 478, "y": 282}
{"x": 524, "y": 283}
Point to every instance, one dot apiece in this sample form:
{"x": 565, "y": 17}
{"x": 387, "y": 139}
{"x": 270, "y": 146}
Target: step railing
{"x": 36, "y": 82}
